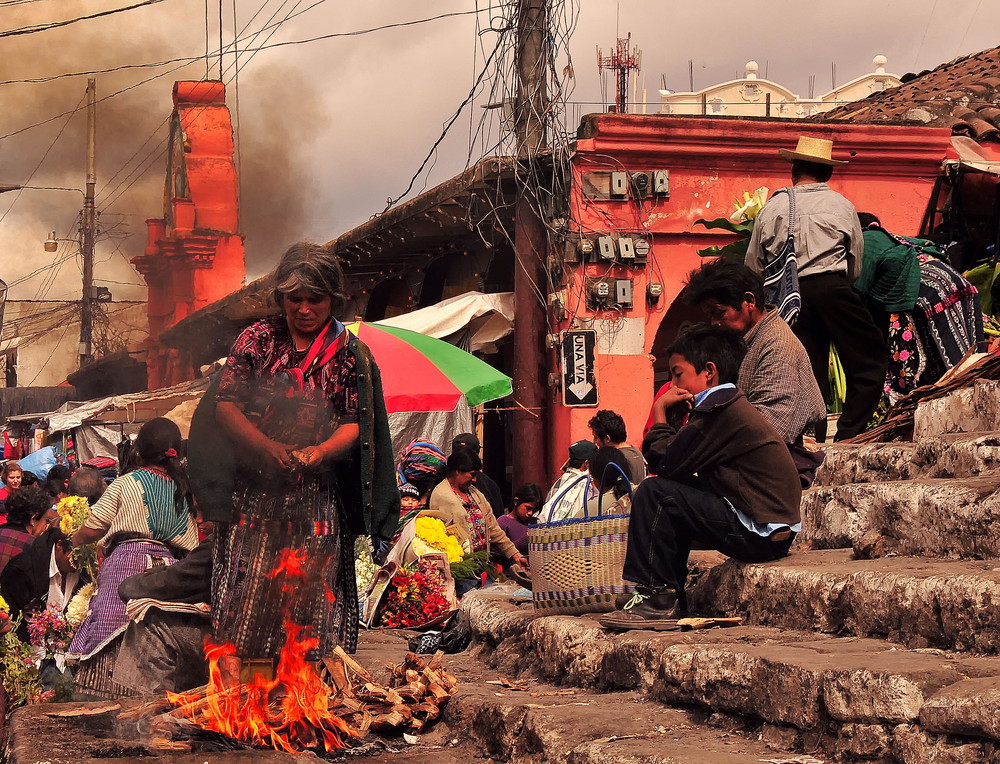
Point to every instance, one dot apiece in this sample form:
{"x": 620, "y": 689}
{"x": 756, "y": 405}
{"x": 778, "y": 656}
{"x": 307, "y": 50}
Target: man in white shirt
{"x": 567, "y": 496}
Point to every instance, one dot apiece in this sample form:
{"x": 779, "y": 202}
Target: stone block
{"x": 866, "y": 463}
{"x": 971, "y": 409}
{"x": 912, "y": 745}
{"x": 940, "y": 518}
{"x": 862, "y": 742}
{"x": 918, "y": 602}
{"x": 970, "y": 707}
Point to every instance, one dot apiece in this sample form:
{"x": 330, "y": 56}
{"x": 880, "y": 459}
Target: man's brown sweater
{"x": 730, "y": 450}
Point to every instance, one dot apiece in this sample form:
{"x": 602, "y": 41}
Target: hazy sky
{"x": 330, "y": 129}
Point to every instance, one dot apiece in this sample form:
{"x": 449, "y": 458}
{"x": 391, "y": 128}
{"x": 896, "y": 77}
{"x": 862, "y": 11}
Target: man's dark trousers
{"x": 668, "y": 516}
{"x": 833, "y": 312}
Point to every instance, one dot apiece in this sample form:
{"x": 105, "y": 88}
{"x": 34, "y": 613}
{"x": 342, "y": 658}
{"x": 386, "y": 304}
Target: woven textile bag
{"x": 576, "y": 564}
{"x": 781, "y": 274}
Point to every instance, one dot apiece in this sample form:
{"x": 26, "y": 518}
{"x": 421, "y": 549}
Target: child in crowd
{"x": 746, "y": 504}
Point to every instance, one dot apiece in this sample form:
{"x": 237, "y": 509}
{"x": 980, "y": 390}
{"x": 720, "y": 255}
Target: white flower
{"x": 79, "y": 607}
{"x": 751, "y": 205}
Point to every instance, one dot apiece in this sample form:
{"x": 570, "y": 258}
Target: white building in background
{"x": 755, "y": 97}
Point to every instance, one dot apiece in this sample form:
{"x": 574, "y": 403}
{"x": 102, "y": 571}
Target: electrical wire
{"x": 57, "y": 24}
{"x": 40, "y": 162}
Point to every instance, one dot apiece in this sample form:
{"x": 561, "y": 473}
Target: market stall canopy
{"x": 123, "y": 409}
{"x": 474, "y": 321}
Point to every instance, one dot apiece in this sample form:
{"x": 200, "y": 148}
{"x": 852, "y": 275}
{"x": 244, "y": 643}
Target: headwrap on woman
{"x": 419, "y": 463}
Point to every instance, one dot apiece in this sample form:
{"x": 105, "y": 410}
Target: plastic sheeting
{"x": 439, "y": 427}
{"x": 474, "y": 321}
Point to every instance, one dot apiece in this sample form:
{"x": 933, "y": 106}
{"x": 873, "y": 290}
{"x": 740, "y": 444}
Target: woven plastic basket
{"x": 576, "y": 565}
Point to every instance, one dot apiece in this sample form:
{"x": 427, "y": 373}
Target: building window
{"x": 10, "y": 368}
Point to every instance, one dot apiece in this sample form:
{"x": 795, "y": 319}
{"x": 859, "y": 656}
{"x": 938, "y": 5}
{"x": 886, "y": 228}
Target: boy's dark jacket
{"x": 734, "y": 452}
{"x": 367, "y": 479}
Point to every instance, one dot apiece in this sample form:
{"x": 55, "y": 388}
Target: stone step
{"x": 915, "y": 601}
{"x": 971, "y": 409}
{"x": 544, "y": 723}
{"x": 849, "y": 698}
{"x": 955, "y": 518}
{"x": 956, "y": 455}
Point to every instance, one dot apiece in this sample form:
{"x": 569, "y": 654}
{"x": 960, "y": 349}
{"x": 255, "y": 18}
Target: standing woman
{"x": 301, "y": 403}
{"x": 143, "y": 520}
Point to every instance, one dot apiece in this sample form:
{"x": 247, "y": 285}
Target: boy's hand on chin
{"x": 675, "y": 396}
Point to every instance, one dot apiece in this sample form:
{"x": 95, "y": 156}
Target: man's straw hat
{"x": 818, "y": 150}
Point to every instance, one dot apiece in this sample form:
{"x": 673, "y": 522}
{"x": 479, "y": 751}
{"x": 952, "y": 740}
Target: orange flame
{"x": 289, "y": 713}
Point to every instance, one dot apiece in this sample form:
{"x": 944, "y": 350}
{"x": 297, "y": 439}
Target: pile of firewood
{"x": 414, "y": 696}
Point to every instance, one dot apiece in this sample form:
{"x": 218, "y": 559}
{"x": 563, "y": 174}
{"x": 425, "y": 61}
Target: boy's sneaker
{"x": 657, "y": 610}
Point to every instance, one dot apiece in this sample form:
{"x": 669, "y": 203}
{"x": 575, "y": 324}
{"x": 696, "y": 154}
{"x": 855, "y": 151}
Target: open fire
{"x": 291, "y": 713}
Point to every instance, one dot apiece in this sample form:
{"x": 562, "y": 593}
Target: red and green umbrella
{"x": 421, "y": 373}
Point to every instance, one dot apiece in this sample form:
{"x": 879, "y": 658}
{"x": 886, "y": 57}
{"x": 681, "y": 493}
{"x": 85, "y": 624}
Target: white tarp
{"x": 76, "y": 415}
{"x": 485, "y": 318}
{"x": 974, "y": 155}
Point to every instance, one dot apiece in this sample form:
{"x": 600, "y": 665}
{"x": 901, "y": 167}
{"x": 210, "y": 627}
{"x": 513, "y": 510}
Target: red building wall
{"x": 711, "y": 162}
{"x": 194, "y": 255}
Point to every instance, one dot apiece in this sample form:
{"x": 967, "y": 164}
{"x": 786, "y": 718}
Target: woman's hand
{"x": 307, "y": 457}
{"x": 277, "y": 456}
{"x": 520, "y": 559}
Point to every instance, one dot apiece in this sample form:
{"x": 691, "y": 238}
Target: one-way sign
{"x": 579, "y": 381}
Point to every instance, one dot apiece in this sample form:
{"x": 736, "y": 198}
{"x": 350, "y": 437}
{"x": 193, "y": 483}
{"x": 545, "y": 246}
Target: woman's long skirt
{"x": 270, "y": 571}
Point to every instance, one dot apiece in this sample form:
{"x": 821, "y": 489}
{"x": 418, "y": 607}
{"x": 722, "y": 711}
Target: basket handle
{"x": 600, "y": 495}
{"x": 573, "y": 483}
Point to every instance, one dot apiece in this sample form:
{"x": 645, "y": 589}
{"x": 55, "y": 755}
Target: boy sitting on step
{"x": 724, "y": 480}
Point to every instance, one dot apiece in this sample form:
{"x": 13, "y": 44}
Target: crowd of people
{"x": 249, "y": 525}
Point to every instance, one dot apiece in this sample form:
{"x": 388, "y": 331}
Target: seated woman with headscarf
{"x": 143, "y": 519}
{"x": 466, "y": 512}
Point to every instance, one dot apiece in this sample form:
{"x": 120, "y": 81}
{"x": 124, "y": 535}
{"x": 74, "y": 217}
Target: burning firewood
{"x": 413, "y": 696}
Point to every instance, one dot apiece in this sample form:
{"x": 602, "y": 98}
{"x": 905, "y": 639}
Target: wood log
{"x": 157, "y": 706}
{"x": 388, "y": 722}
{"x": 353, "y": 665}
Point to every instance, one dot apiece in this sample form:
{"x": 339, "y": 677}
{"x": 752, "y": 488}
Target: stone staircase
{"x": 876, "y": 640}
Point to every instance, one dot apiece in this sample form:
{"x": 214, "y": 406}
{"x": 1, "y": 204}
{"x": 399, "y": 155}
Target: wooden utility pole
{"x": 89, "y": 229}
{"x": 530, "y": 282}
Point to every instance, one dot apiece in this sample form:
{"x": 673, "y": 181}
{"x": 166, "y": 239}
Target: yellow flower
{"x": 750, "y": 206}
{"x": 431, "y": 531}
{"x": 73, "y": 513}
{"x": 4, "y": 607}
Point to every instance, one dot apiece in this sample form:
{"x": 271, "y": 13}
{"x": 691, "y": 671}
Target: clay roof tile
{"x": 962, "y": 94}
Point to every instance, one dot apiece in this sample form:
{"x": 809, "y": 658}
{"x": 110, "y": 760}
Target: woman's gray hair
{"x": 315, "y": 269}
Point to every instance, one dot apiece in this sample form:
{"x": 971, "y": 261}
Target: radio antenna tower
{"x": 622, "y": 62}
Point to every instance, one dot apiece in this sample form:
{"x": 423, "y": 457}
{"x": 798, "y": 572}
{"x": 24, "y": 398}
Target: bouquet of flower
{"x": 79, "y": 607}
{"x": 416, "y": 597}
{"x": 364, "y": 566}
{"x": 430, "y": 536}
{"x": 73, "y": 513}
{"x": 741, "y": 223}
{"x": 50, "y": 631}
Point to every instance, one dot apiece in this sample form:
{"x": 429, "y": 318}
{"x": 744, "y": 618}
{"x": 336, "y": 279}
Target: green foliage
{"x": 735, "y": 250}
{"x": 471, "y": 566}
{"x": 17, "y": 670}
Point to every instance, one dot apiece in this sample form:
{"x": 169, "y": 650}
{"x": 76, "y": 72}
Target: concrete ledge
{"x": 937, "y": 518}
{"x": 915, "y": 601}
